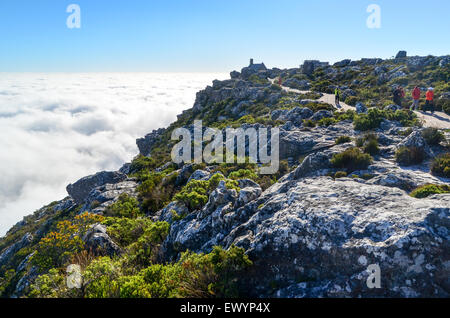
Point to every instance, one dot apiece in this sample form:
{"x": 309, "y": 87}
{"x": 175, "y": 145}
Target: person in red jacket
{"x": 429, "y": 104}
{"x": 416, "y": 98}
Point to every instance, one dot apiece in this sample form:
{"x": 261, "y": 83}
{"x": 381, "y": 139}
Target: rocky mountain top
{"x": 356, "y": 187}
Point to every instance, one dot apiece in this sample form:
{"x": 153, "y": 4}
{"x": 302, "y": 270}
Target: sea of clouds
{"x": 57, "y": 128}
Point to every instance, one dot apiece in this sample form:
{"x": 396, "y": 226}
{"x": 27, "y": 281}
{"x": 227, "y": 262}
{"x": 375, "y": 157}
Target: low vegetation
{"x": 429, "y": 189}
{"x": 408, "y": 156}
{"x": 351, "y": 160}
{"x": 196, "y": 193}
{"x": 214, "y": 275}
{"x": 433, "y": 136}
{"x": 440, "y": 166}
{"x": 343, "y": 140}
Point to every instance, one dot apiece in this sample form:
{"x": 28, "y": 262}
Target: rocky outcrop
{"x": 342, "y": 63}
{"x": 9, "y": 252}
{"x": 80, "y": 190}
{"x": 295, "y": 115}
{"x": 416, "y": 140}
{"x": 98, "y": 242}
{"x": 297, "y": 84}
{"x": 401, "y": 55}
{"x": 329, "y": 232}
{"x": 146, "y": 144}
{"x": 361, "y": 108}
{"x": 102, "y": 197}
{"x": 237, "y": 90}
{"x": 310, "y": 66}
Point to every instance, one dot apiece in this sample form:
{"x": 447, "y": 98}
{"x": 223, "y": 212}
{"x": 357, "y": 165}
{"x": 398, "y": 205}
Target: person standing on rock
{"x": 416, "y": 98}
{"x": 429, "y": 103}
{"x": 399, "y": 93}
{"x": 337, "y": 96}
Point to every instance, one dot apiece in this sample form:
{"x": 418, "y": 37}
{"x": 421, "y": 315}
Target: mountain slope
{"x": 356, "y": 187}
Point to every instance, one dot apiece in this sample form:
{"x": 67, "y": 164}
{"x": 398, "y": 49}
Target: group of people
{"x": 399, "y": 94}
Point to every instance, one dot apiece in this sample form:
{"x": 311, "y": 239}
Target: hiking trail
{"x": 438, "y": 120}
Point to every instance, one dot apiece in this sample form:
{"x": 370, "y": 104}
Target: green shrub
{"x": 369, "y": 143}
{"x": 340, "y": 174}
{"x": 327, "y": 122}
{"x": 309, "y": 123}
{"x": 433, "y": 136}
{"x": 55, "y": 249}
{"x": 243, "y": 174}
{"x": 367, "y": 176}
{"x": 347, "y": 115}
{"x": 141, "y": 163}
{"x": 351, "y": 159}
{"x": 196, "y": 193}
{"x": 405, "y": 117}
{"x": 369, "y": 121}
{"x": 156, "y": 190}
{"x": 429, "y": 189}
{"x": 125, "y": 231}
{"x": 145, "y": 250}
{"x": 406, "y": 132}
{"x": 445, "y": 105}
{"x": 5, "y": 282}
{"x": 258, "y": 80}
{"x": 101, "y": 278}
{"x": 217, "y": 274}
{"x": 156, "y": 281}
{"x": 440, "y": 166}
{"x": 50, "y": 285}
{"x": 351, "y": 100}
{"x": 126, "y": 206}
{"x": 408, "y": 156}
{"x": 375, "y": 116}
{"x": 343, "y": 140}
{"x": 371, "y": 147}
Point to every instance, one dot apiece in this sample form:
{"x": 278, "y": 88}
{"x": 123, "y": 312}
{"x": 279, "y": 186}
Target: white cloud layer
{"x": 57, "y": 128}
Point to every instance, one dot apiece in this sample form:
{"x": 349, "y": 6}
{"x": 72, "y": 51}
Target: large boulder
{"x": 100, "y": 198}
{"x": 322, "y": 114}
{"x": 401, "y": 55}
{"x": 329, "y": 232}
{"x": 310, "y": 66}
{"x": 80, "y": 190}
{"x": 416, "y": 140}
{"x": 99, "y": 242}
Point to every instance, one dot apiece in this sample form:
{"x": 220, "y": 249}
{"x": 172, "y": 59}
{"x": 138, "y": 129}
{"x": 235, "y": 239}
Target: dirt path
{"x": 437, "y": 120}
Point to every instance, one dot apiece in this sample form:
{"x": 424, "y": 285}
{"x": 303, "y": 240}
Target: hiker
{"x": 416, "y": 98}
{"x": 337, "y": 96}
{"x": 429, "y": 103}
{"x": 280, "y": 81}
{"x": 399, "y": 93}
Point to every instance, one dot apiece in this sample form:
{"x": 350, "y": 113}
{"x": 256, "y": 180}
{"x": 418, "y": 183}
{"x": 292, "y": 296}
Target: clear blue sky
{"x": 212, "y": 35}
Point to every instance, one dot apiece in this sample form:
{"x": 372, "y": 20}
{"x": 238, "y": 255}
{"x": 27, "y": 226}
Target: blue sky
{"x": 211, "y": 35}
